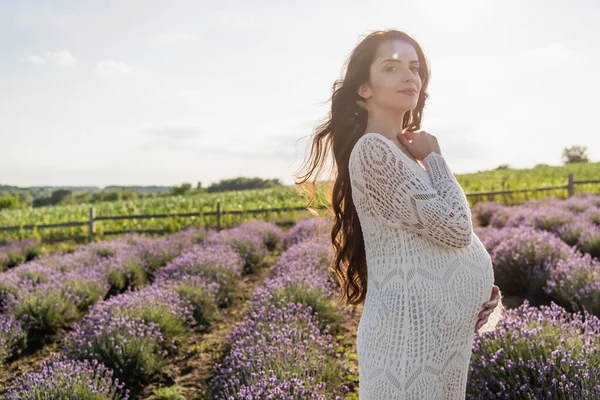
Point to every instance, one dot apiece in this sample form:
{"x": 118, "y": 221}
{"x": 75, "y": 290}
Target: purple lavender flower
{"x": 575, "y": 282}
{"x": 246, "y": 243}
{"x": 201, "y": 293}
{"x": 135, "y": 349}
{"x": 172, "y": 313}
{"x": 545, "y": 353}
{"x": 18, "y": 252}
{"x": 483, "y": 211}
{"x": 61, "y": 378}
{"x": 522, "y": 258}
{"x": 282, "y": 350}
{"x": 592, "y": 215}
{"x": 12, "y": 337}
{"x": 47, "y": 307}
{"x": 270, "y": 234}
{"x": 217, "y": 263}
{"x": 319, "y": 227}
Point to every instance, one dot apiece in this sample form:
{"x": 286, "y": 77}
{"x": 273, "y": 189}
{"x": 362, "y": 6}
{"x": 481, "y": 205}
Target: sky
{"x": 146, "y": 92}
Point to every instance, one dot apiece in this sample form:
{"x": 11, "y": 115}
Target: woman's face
{"x": 394, "y": 71}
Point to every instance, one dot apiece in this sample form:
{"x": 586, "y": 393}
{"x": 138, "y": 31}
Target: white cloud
{"x": 35, "y": 60}
{"x": 552, "y": 55}
{"x": 111, "y": 67}
{"x": 175, "y": 132}
{"x": 61, "y": 58}
{"x": 175, "y": 37}
{"x": 240, "y": 21}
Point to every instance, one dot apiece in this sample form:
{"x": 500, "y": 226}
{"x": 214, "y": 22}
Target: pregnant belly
{"x": 446, "y": 298}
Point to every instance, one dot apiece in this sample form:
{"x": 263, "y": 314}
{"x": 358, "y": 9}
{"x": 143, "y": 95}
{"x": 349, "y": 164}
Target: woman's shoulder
{"x": 372, "y": 140}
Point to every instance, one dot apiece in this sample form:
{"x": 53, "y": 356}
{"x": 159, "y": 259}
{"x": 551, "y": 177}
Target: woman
{"x": 402, "y": 232}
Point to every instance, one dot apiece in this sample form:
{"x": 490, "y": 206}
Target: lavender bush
{"x": 202, "y": 295}
{"x": 60, "y": 378}
{"x": 173, "y": 314}
{"x": 47, "y": 307}
{"x": 270, "y": 234}
{"x": 12, "y": 337}
{"x": 319, "y": 227}
{"x": 483, "y": 211}
{"x": 249, "y": 246}
{"x": 219, "y": 263}
{"x": 135, "y": 349}
{"x": 279, "y": 353}
{"x": 544, "y": 353}
{"x": 18, "y": 252}
{"x": 575, "y": 283}
{"x": 284, "y": 349}
{"x": 522, "y": 258}
{"x": 592, "y": 215}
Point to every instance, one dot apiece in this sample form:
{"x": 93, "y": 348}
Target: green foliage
{"x": 328, "y": 314}
{"x": 174, "y": 328}
{"x": 205, "y": 306}
{"x": 182, "y": 189}
{"x": 225, "y": 278}
{"x": 575, "y": 154}
{"x": 230, "y": 201}
{"x": 11, "y": 202}
{"x": 243, "y": 183}
{"x": 128, "y": 275}
{"x": 134, "y": 359}
{"x": 168, "y": 393}
{"x": 275, "y": 197}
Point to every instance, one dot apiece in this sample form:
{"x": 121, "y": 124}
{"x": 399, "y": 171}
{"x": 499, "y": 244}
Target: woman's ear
{"x": 364, "y": 91}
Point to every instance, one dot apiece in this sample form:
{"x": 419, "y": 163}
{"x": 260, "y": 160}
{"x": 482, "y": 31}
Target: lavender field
{"x": 137, "y": 317}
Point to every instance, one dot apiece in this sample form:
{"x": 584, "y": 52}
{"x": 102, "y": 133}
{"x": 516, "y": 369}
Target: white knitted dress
{"x": 428, "y": 275}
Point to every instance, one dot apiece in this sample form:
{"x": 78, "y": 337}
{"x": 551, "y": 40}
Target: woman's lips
{"x": 408, "y": 92}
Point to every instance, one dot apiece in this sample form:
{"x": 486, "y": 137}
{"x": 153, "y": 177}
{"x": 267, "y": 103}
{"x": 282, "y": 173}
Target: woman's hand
{"x": 488, "y": 307}
{"x": 419, "y": 144}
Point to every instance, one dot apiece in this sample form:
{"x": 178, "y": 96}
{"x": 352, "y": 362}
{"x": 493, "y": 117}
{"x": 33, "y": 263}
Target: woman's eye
{"x": 415, "y": 69}
{"x": 391, "y": 66}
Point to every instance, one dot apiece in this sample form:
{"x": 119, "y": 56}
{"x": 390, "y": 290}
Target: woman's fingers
{"x": 409, "y": 135}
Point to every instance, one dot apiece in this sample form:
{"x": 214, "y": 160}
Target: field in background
{"x": 507, "y": 179}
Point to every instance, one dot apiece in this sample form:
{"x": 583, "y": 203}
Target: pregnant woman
{"x": 402, "y": 233}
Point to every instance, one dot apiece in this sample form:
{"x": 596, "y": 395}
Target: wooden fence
{"x": 91, "y": 222}
{"x": 93, "y": 218}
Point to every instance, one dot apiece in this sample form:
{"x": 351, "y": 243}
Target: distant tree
{"x": 58, "y": 196}
{"x": 11, "y": 202}
{"x": 502, "y": 167}
{"x": 575, "y": 154}
{"x": 243, "y": 183}
{"x": 181, "y": 189}
{"x": 113, "y": 195}
{"x": 199, "y": 185}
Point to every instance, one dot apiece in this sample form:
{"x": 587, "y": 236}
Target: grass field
{"x": 508, "y": 179}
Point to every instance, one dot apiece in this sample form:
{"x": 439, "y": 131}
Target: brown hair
{"x": 345, "y": 124}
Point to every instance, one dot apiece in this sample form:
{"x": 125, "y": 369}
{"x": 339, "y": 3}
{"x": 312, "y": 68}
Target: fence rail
{"x": 91, "y": 222}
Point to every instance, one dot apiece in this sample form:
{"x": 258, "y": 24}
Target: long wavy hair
{"x": 344, "y": 125}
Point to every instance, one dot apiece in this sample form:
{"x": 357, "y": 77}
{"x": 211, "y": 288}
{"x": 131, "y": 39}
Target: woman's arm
{"x": 403, "y": 199}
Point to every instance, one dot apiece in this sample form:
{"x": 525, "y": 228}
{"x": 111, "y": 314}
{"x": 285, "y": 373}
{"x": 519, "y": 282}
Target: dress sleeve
{"x": 401, "y": 198}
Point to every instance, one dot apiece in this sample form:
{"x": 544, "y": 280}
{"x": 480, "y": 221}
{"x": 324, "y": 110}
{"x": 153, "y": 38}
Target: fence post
{"x": 571, "y": 186}
{"x": 92, "y": 225}
{"x": 218, "y": 215}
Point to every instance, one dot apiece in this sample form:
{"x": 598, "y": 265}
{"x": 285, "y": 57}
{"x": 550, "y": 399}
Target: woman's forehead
{"x": 396, "y": 48}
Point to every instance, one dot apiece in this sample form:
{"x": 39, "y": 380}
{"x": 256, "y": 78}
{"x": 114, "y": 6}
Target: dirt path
{"x": 26, "y": 363}
{"x": 195, "y": 369}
